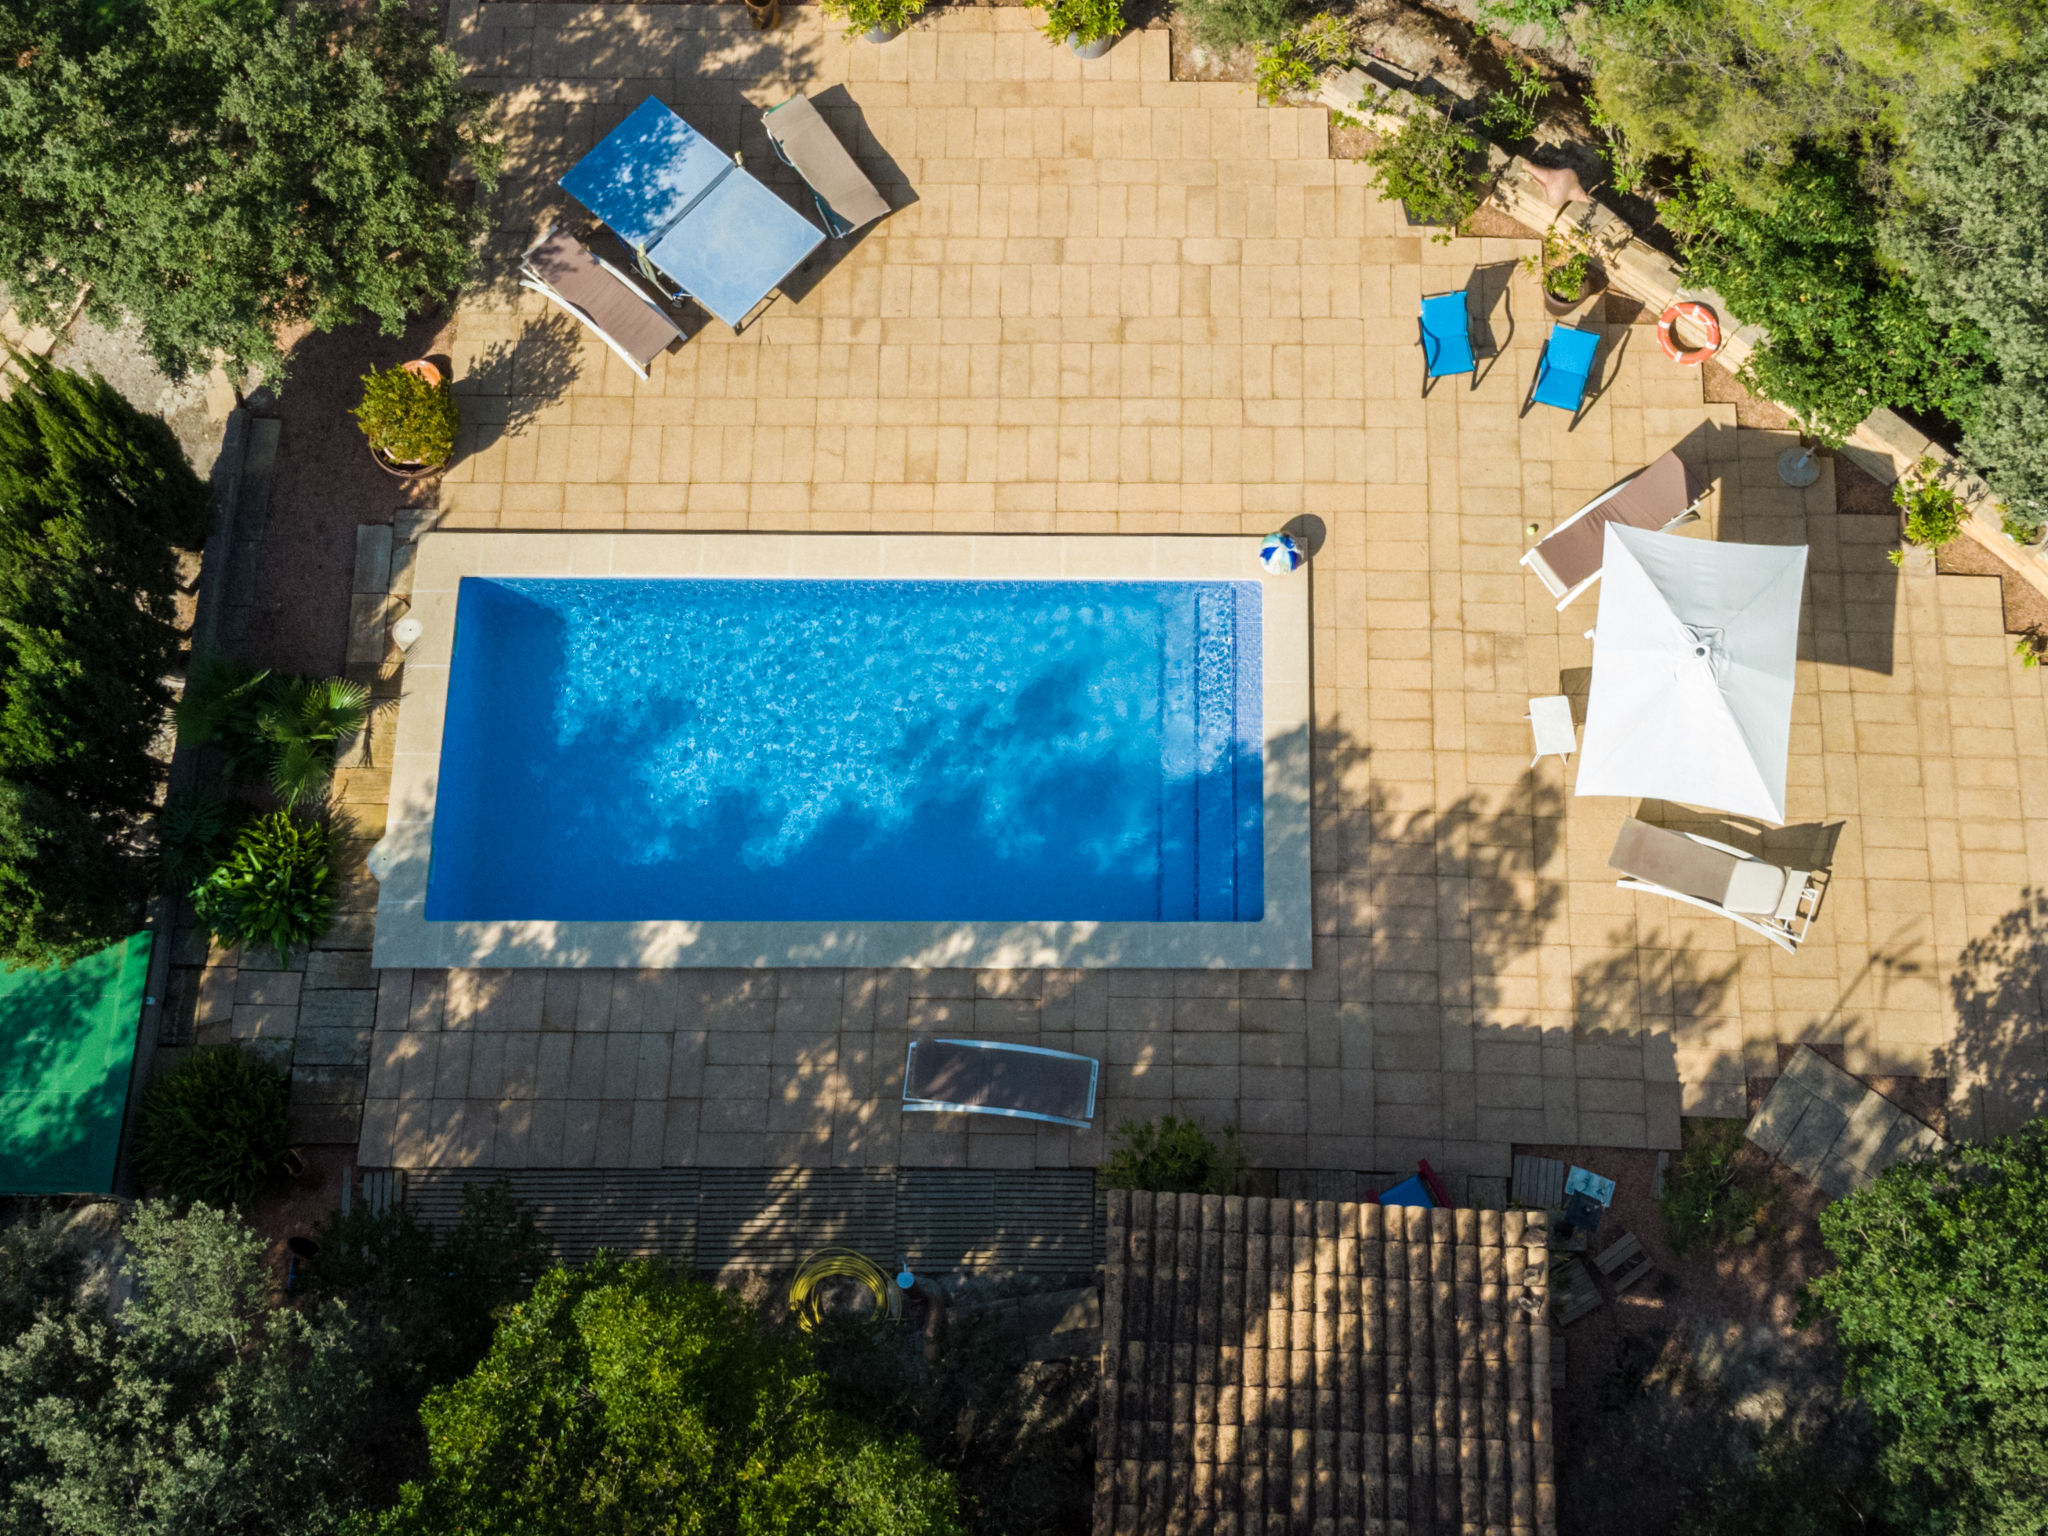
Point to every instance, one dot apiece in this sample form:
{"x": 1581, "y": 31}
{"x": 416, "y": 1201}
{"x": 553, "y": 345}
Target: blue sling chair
{"x": 1563, "y": 369}
{"x": 1446, "y": 338}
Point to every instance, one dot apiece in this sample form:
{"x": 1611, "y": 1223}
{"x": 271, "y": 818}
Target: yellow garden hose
{"x": 841, "y": 1264}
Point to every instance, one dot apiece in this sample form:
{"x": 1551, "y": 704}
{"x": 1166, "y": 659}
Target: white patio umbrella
{"x": 1693, "y": 657}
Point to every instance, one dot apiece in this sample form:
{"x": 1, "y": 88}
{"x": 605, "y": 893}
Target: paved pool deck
{"x": 1111, "y": 302}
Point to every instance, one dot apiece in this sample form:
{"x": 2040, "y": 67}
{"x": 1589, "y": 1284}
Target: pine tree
{"x": 95, "y": 501}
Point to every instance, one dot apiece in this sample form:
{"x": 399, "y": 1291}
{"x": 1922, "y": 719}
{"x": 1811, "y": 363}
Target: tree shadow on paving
{"x": 509, "y": 383}
{"x": 1997, "y": 1065}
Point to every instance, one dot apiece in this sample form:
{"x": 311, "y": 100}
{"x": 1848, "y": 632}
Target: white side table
{"x": 1550, "y": 720}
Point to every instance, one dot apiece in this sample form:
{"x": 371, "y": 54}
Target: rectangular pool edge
{"x": 1280, "y": 940}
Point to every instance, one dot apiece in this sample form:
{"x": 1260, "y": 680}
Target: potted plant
{"x": 1933, "y": 514}
{"x": 2026, "y": 535}
{"x": 876, "y": 20}
{"x": 1570, "y": 274}
{"x": 409, "y": 414}
{"x": 1088, "y": 27}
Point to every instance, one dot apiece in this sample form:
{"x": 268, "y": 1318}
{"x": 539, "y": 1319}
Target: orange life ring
{"x": 1699, "y": 315}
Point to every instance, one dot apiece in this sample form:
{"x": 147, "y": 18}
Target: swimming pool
{"x": 1006, "y": 733}
{"x": 622, "y": 749}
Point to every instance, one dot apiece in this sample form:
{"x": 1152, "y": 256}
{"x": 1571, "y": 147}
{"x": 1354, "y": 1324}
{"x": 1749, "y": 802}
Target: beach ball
{"x": 1280, "y": 554}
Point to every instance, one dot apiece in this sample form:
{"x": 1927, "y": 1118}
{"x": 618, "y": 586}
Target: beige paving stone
{"x": 1112, "y": 302}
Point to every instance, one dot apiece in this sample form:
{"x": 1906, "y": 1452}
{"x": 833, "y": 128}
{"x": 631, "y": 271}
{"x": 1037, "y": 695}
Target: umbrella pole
{"x": 1796, "y": 466}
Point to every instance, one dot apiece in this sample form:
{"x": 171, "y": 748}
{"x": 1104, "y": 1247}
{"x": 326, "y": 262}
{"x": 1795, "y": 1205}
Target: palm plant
{"x": 287, "y": 728}
{"x": 305, "y": 726}
{"x": 194, "y": 830}
{"x": 220, "y": 705}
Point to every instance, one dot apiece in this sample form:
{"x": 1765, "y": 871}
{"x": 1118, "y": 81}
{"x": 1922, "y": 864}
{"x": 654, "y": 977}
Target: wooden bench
{"x": 1624, "y": 1262}
{"x": 1573, "y": 1292}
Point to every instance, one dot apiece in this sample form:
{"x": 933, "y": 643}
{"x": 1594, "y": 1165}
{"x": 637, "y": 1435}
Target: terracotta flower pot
{"x": 1595, "y": 283}
{"x": 399, "y": 471}
{"x": 424, "y": 371}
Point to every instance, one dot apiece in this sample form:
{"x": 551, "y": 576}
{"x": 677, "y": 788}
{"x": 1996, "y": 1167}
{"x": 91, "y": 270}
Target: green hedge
{"x": 96, "y": 500}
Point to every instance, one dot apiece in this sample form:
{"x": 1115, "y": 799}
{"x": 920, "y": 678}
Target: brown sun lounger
{"x": 845, "y": 197}
{"x": 1662, "y": 496}
{"x": 600, "y": 296}
{"x": 989, "y": 1077}
{"x": 1776, "y": 902}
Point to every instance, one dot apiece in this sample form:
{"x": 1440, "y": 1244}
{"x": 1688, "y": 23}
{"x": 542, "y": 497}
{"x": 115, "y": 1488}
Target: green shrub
{"x": 638, "y": 1398}
{"x": 1083, "y": 21}
{"x": 1427, "y": 167}
{"x": 1846, "y": 334}
{"x": 213, "y": 1127}
{"x": 275, "y": 889}
{"x": 1939, "y": 1297}
{"x": 1297, "y": 61}
{"x": 1511, "y": 114}
{"x": 1708, "y": 1195}
{"x": 1934, "y": 513}
{"x": 861, "y": 16}
{"x": 1173, "y": 1156}
{"x": 1227, "y": 24}
{"x": 2007, "y": 443}
{"x": 406, "y": 419}
{"x": 221, "y": 172}
{"x": 96, "y": 499}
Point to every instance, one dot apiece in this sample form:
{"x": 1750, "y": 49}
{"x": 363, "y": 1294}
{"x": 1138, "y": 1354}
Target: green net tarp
{"x": 67, "y": 1044}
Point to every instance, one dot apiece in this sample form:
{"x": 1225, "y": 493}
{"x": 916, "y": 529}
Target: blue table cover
{"x": 646, "y": 174}
{"x": 666, "y": 190}
{"x": 737, "y": 243}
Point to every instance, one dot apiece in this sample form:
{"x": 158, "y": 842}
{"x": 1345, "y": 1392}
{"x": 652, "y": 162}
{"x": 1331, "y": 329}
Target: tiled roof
{"x": 1310, "y": 1368}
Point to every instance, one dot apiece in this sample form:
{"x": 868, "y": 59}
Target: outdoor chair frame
{"x": 1788, "y": 917}
{"x": 1538, "y": 563}
{"x": 1445, "y": 355}
{"x": 1555, "y": 374}
{"x": 820, "y": 157}
{"x": 530, "y": 276}
{"x": 1056, "y": 1061}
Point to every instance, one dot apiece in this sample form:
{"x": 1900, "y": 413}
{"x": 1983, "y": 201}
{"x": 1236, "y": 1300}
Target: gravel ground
{"x": 326, "y": 483}
{"x": 118, "y": 357}
{"x": 1666, "y": 1381}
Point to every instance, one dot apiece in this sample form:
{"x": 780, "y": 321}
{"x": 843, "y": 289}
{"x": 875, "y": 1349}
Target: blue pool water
{"x": 723, "y": 750}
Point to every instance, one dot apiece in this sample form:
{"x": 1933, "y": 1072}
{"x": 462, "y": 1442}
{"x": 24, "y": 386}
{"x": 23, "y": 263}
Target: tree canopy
{"x": 221, "y": 169}
{"x": 1940, "y": 1303}
{"x": 210, "y": 1405}
{"x": 1974, "y": 232}
{"x": 1846, "y": 333}
{"x": 208, "y": 1409}
{"x": 1742, "y": 85}
{"x": 630, "y": 1397}
{"x": 96, "y": 500}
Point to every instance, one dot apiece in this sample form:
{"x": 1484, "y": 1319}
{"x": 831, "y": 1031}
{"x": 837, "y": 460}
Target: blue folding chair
{"x": 1446, "y": 338}
{"x": 1563, "y": 369}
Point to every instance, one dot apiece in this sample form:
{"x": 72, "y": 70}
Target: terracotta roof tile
{"x": 1312, "y": 1368}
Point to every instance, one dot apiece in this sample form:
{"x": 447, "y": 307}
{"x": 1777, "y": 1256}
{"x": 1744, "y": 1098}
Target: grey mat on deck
{"x": 1830, "y": 1129}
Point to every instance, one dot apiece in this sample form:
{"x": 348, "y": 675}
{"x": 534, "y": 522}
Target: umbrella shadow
{"x": 1850, "y": 613}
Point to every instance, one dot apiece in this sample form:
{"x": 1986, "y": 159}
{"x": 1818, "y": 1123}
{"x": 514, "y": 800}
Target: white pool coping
{"x": 1281, "y": 940}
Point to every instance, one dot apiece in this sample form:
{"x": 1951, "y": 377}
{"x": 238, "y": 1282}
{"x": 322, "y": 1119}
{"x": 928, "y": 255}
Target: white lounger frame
{"x": 528, "y": 278}
{"x": 947, "y": 1107}
{"x": 1787, "y": 932}
{"x": 1541, "y": 569}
